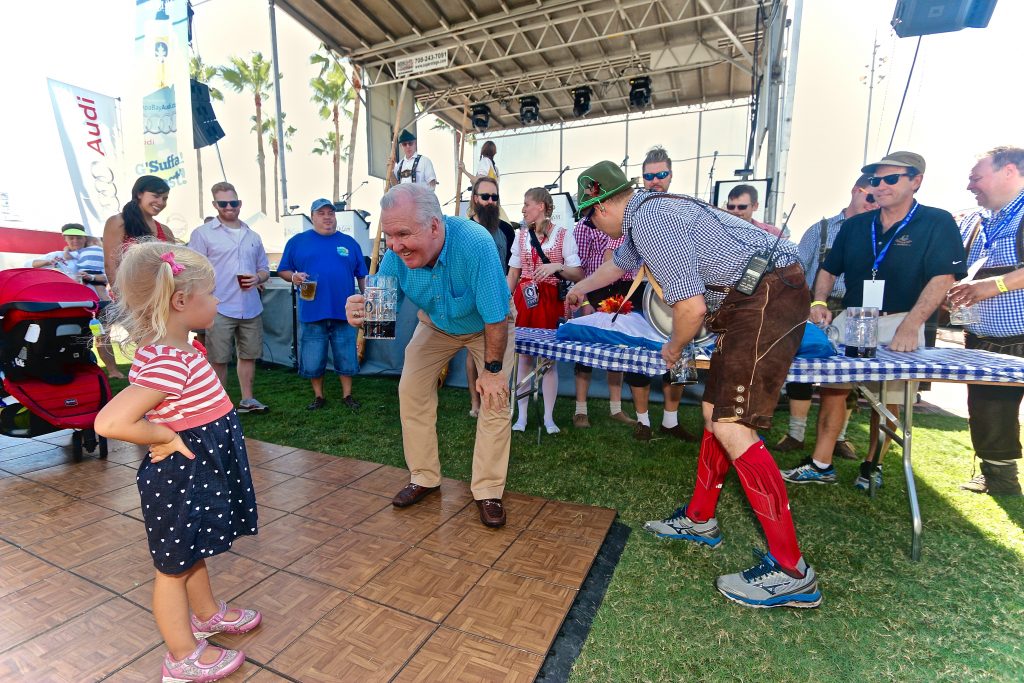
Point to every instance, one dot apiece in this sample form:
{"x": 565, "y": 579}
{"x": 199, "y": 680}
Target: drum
{"x": 659, "y": 315}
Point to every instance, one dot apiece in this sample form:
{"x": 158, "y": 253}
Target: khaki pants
{"x": 426, "y": 355}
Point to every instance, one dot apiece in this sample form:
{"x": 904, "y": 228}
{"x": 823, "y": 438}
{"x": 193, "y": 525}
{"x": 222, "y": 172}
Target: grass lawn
{"x": 958, "y": 615}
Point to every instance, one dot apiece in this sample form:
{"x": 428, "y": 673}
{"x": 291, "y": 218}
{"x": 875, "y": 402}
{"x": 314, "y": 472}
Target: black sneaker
{"x": 353, "y": 404}
{"x": 317, "y": 403}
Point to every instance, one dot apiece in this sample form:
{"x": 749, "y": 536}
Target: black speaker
{"x": 924, "y": 17}
{"x": 205, "y": 129}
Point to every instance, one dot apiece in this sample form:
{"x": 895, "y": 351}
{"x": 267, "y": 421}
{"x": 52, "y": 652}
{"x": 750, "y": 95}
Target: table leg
{"x": 916, "y": 523}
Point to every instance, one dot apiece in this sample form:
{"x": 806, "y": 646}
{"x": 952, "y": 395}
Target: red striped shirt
{"x": 194, "y": 395}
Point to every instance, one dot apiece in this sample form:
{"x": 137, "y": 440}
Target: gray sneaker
{"x": 680, "y": 527}
{"x": 251, "y": 405}
{"x": 765, "y": 585}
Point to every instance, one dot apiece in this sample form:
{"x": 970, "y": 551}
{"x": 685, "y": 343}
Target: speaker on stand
{"x": 925, "y": 17}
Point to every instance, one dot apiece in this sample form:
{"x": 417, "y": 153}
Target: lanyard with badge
{"x": 874, "y": 289}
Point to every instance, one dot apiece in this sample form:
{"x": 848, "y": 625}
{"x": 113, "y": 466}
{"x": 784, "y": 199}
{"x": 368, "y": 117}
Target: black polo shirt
{"x": 926, "y": 247}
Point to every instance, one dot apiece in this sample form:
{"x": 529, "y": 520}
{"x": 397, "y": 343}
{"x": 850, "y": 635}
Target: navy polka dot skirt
{"x": 197, "y": 508}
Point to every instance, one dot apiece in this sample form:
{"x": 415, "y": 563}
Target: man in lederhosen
{"x": 413, "y": 167}
{"x": 704, "y": 259}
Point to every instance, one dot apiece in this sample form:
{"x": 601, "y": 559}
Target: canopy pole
{"x": 281, "y": 146}
{"x": 462, "y": 152}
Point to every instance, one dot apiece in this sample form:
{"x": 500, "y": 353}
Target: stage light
{"x": 481, "y": 116}
{"x": 640, "y": 92}
{"x": 581, "y": 101}
{"x": 529, "y": 109}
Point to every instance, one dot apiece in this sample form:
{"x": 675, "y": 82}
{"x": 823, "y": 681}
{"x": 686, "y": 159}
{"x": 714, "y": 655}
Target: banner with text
{"x": 90, "y": 134}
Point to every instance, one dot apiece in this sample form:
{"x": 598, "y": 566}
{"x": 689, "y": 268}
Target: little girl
{"x": 196, "y": 490}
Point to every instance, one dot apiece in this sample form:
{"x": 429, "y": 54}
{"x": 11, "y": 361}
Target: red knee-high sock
{"x": 712, "y": 466}
{"x": 766, "y": 492}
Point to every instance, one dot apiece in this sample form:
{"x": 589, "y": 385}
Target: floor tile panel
{"x": 422, "y": 583}
{"x": 146, "y": 669}
{"x": 37, "y": 461}
{"x": 409, "y": 525}
{"x": 359, "y": 641}
{"x": 514, "y": 610}
{"x": 263, "y": 479}
{"x": 51, "y": 522}
{"x": 126, "y": 453}
{"x": 384, "y": 481}
{"x": 31, "y": 502}
{"x": 78, "y": 546}
{"x": 284, "y": 540}
{"x": 121, "y": 571}
{"x": 119, "y": 500}
{"x": 291, "y": 605}
{"x": 265, "y": 676}
{"x": 557, "y": 559}
{"x": 341, "y": 470}
{"x": 260, "y": 452}
{"x": 45, "y": 604}
{"x": 465, "y": 537}
{"x": 298, "y": 462}
{"x": 456, "y": 657}
{"x": 572, "y": 519}
{"x": 520, "y": 509}
{"x": 19, "y": 569}
{"x": 349, "y": 560}
{"x": 345, "y": 507}
{"x": 24, "y": 447}
{"x": 295, "y": 493}
{"x": 90, "y": 646}
{"x": 82, "y": 485}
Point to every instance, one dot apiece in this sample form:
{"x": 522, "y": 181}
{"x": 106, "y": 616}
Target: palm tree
{"x": 270, "y": 130}
{"x": 253, "y": 76}
{"x": 331, "y": 145}
{"x": 204, "y": 73}
{"x": 331, "y": 90}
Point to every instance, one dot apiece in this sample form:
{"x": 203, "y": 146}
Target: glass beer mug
{"x": 381, "y": 307}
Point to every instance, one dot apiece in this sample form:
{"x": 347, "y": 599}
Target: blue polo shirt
{"x": 465, "y": 289}
{"x": 336, "y": 260}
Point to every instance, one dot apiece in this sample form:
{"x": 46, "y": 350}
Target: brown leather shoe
{"x": 641, "y": 432}
{"x": 580, "y": 421}
{"x": 623, "y": 418}
{"x": 788, "y": 443}
{"x": 844, "y": 450}
{"x": 412, "y": 494}
{"x": 679, "y": 432}
{"x": 492, "y": 512}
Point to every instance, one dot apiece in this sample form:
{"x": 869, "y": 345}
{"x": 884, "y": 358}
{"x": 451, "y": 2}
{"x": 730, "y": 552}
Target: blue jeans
{"x": 313, "y": 343}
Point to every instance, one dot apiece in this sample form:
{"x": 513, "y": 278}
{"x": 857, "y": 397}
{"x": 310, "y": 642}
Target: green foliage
{"x": 205, "y": 73}
{"x": 329, "y": 144}
{"x": 269, "y": 128}
{"x": 253, "y": 75}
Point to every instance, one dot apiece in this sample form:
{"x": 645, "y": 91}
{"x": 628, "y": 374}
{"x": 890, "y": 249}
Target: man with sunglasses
{"x": 701, "y": 256}
{"x": 900, "y": 259}
{"x": 413, "y": 167}
{"x": 239, "y": 265}
{"x": 814, "y": 248}
{"x": 997, "y": 181}
{"x": 742, "y": 203}
{"x": 485, "y": 209}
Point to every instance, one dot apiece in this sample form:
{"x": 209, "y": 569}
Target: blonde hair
{"x": 542, "y": 196}
{"x": 146, "y": 283}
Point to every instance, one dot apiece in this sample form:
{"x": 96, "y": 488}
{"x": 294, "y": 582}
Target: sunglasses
{"x": 233, "y": 203}
{"x": 660, "y": 175}
{"x": 891, "y": 179}
{"x": 487, "y": 196}
{"x": 737, "y": 207}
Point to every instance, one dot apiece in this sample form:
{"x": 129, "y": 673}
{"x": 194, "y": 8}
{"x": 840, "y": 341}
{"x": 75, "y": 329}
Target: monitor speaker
{"x": 924, "y": 17}
{"x": 205, "y": 129}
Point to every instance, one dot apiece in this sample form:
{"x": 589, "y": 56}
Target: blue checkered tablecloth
{"x": 957, "y": 365}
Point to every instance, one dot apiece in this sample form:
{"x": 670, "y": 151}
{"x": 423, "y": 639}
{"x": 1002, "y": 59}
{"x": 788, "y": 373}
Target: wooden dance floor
{"x": 350, "y": 588}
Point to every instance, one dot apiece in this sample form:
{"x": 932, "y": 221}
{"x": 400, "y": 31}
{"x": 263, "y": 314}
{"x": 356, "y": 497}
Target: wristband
{"x": 1001, "y": 284}
{"x": 819, "y": 303}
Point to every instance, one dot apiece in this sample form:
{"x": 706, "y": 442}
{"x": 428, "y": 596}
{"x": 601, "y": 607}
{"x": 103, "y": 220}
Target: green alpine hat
{"x": 599, "y": 182}
{"x": 406, "y": 136}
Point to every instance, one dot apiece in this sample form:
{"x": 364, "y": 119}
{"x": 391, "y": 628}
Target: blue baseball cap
{"x": 319, "y": 204}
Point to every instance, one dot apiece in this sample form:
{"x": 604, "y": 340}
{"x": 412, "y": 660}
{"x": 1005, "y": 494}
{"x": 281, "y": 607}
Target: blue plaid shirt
{"x": 688, "y": 245}
{"x": 465, "y": 289}
{"x": 1002, "y": 315}
{"x": 810, "y": 249}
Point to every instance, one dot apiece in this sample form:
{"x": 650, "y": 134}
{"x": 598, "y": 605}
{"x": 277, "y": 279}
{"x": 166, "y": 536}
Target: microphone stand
{"x": 711, "y": 176}
{"x": 554, "y": 185}
{"x": 349, "y": 194}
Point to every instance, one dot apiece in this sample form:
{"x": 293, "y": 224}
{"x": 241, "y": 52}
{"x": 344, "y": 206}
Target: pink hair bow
{"x": 168, "y": 258}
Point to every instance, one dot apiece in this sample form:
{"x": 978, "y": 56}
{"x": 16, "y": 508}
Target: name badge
{"x": 530, "y": 295}
{"x": 874, "y": 293}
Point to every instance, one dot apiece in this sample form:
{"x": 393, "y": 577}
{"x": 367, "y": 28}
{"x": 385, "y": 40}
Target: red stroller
{"x": 46, "y": 358}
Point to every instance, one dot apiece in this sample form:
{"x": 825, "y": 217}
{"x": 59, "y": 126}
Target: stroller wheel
{"x": 76, "y": 445}
{"x": 89, "y": 440}
{"x": 103, "y": 446}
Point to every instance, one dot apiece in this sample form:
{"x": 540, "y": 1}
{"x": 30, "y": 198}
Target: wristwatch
{"x": 493, "y": 366}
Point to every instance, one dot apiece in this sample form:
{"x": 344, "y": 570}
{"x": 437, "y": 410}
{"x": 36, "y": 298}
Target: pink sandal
{"x": 189, "y": 670}
{"x": 247, "y": 620}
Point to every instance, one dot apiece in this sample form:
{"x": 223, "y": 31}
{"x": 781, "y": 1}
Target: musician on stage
{"x": 748, "y": 287}
{"x": 413, "y": 167}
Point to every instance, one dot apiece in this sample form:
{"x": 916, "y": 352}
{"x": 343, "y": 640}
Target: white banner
{"x": 90, "y": 134}
{"x": 420, "y": 63}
